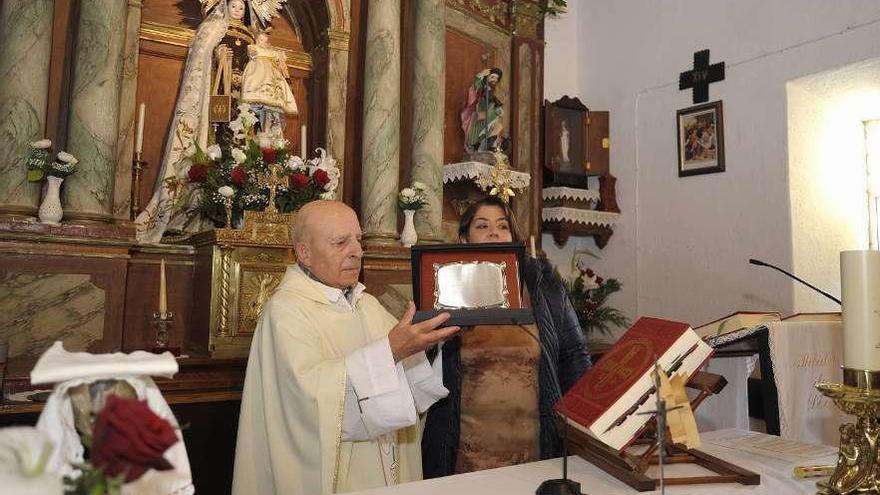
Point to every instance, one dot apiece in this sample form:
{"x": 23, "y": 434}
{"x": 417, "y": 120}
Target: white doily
{"x": 586, "y": 195}
{"x": 471, "y": 170}
{"x": 573, "y": 215}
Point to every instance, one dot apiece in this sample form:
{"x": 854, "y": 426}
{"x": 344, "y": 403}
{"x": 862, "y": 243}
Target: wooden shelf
{"x": 562, "y": 230}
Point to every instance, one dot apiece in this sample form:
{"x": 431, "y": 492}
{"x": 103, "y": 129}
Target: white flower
{"x": 407, "y": 193}
{"x": 281, "y": 143}
{"x": 24, "y": 451}
{"x": 590, "y": 282}
{"x": 295, "y": 163}
{"x": 418, "y": 186}
{"x": 214, "y": 152}
{"x": 41, "y": 144}
{"x": 244, "y": 108}
{"x": 238, "y": 155}
{"x": 67, "y": 158}
{"x": 328, "y": 195}
{"x": 226, "y": 191}
{"x": 236, "y": 125}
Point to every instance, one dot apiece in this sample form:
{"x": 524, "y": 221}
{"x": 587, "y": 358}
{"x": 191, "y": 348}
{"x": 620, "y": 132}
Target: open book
{"x": 608, "y": 402}
{"x": 734, "y": 326}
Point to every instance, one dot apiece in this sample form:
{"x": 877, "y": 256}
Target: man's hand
{"x": 408, "y": 338}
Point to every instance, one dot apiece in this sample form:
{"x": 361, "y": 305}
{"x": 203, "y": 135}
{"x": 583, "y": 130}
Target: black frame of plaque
{"x": 468, "y": 317}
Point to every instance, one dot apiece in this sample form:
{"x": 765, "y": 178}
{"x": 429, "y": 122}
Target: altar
{"x": 772, "y": 457}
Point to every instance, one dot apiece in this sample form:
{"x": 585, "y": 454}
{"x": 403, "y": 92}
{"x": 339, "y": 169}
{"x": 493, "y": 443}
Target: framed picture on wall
{"x": 700, "y": 139}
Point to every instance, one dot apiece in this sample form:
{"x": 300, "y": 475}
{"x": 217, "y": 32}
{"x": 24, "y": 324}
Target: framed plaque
{"x": 477, "y": 283}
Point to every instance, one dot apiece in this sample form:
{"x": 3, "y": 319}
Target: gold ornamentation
{"x": 256, "y": 287}
{"x": 225, "y": 276}
{"x": 858, "y": 466}
{"x": 497, "y": 12}
{"x": 498, "y": 182}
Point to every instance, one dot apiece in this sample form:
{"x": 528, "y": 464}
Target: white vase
{"x": 408, "y": 236}
{"x": 50, "y": 210}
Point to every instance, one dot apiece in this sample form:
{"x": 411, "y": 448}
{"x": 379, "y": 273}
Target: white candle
{"x": 139, "y": 140}
{"x": 163, "y": 298}
{"x": 532, "y": 245}
{"x": 302, "y": 142}
{"x": 860, "y": 293}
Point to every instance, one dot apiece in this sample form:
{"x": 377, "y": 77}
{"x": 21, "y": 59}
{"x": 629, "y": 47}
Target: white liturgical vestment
{"x": 325, "y": 409}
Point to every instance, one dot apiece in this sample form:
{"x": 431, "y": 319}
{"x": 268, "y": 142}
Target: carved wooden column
{"x": 381, "y": 129}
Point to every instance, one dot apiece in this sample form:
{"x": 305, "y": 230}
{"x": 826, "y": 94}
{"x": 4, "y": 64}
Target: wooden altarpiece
{"x": 631, "y": 467}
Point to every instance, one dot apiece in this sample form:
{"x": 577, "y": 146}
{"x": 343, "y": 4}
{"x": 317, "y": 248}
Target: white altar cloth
{"x": 771, "y": 457}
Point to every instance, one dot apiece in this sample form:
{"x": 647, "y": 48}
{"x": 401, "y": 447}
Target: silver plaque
{"x": 470, "y": 285}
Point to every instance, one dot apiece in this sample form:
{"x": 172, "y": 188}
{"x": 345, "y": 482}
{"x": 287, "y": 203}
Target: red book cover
{"x": 620, "y": 368}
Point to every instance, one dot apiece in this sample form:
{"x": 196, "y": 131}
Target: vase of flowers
{"x": 40, "y": 166}
{"x": 411, "y": 199}
{"x": 589, "y": 294}
{"x": 237, "y": 175}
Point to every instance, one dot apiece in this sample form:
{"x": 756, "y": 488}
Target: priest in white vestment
{"x": 334, "y": 383}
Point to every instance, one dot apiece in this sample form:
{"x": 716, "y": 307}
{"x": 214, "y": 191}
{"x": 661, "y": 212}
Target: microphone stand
{"x": 820, "y": 291}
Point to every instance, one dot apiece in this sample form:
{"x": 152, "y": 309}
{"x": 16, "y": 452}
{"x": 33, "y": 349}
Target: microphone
{"x": 820, "y": 291}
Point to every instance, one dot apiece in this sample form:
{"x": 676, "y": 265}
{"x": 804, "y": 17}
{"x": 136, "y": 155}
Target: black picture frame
{"x": 700, "y": 132}
{"x": 423, "y": 282}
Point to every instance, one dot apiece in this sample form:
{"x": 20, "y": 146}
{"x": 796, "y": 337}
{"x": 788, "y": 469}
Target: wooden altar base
{"x": 631, "y": 468}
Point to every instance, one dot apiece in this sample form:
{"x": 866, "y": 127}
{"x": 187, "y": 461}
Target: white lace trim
{"x": 570, "y": 193}
{"x": 472, "y": 170}
{"x": 561, "y": 214}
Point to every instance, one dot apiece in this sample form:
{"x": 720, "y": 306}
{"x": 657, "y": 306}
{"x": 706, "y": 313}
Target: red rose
{"x": 299, "y": 180}
{"x": 238, "y": 176}
{"x": 599, "y": 280}
{"x": 129, "y": 439}
{"x": 589, "y": 272}
{"x": 197, "y": 173}
{"x": 270, "y": 155}
{"x": 321, "y": 177}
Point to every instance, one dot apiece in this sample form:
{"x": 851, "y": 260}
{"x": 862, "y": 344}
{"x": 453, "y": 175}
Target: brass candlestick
{"x": 858, "y": 463}
{"x": 138, "y": 165}
{"x": 162, "y": 326}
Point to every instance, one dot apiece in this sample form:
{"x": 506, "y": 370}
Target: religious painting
{"x": 565, "y": 138}
{"x": 700, "y": 139}
{"x": 475, "y": 283}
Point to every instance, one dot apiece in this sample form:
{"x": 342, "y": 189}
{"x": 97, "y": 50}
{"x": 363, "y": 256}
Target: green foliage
{"x": 554, "y": 8}
{"x": 589, "y": 295}
{"x": 92, "y": 482}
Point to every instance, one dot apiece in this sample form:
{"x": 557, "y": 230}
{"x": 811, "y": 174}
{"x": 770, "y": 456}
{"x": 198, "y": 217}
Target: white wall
{"x": 682, "y": 245}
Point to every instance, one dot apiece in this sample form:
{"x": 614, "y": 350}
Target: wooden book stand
{"x": 632, "y": 468}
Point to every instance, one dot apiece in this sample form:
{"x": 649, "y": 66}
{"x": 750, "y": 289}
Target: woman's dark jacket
{"x": 563, "y": 353}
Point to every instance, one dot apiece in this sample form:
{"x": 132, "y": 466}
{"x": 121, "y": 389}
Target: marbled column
{"x": 25, "y": 48}
{"x": 526, "y": 139}
{"x": 428, "y": 98}
{"x": 93, "y": 128}
{"x": 127, "y": 114}
{"x": 337, "y": 94}
{"x": 381, "y": 131}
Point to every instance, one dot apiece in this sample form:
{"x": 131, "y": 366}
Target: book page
{"x": 771, "y": 446}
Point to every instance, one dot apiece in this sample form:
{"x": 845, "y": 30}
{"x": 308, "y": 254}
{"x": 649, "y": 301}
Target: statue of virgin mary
{"x": 225, "y": 33}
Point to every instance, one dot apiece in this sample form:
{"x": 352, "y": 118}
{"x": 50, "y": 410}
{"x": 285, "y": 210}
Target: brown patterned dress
{"x": 499, "y": 397}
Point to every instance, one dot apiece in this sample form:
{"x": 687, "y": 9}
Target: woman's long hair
{"x": 464, "y": 225}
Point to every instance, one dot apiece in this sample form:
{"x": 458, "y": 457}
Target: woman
{"x": 502, "y": 382}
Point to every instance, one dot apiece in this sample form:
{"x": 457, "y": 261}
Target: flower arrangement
{"x": 413, "y": 198}
{"x": 241, "y": 172}
{"x": 589, "y": 294}
{"x": 128, "y": 440}
{"x": 40, "y": 164}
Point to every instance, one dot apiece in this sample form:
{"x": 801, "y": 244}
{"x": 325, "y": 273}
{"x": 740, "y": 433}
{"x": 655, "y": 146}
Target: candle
{"x": 139, "y": 141}
{"x": 163, "y": 298}
{"x": 860, "y": 292}
{"x": 532, "y": 245}
{"x": 303, "y": 146}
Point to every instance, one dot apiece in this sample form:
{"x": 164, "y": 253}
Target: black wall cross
{"x": 701, "y": 76}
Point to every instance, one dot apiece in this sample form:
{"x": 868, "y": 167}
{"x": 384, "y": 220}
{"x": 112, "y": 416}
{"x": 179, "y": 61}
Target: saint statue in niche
{"x": 565, "y": 142}
{"x": 265, "y": 87}
{"x": 222, "y": 39}
{"x": 481, "y": 119}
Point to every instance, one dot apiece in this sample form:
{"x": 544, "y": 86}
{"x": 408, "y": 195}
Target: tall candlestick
{"x": 163, "y": 298}
{"x": 860, "y": 292}
{"x": 139, "y": 141}
{"x": 303, "y": 145}
{"x": 532, "y": 245}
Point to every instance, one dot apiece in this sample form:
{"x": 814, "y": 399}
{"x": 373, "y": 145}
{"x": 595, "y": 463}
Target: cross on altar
{"x": 272, "y": 180}
{"x": 701, "y": 76}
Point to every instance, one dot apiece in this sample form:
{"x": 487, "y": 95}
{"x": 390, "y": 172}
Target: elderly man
{"x": 334, "y": 383}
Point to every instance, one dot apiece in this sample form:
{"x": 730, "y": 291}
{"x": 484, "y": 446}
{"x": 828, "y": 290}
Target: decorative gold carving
{"x": 180, "y": 36}
{"x": 338, "y": 40}
{"x": 858, "y": 462}
{"x": 527, "y": 16}
{"x": 224, "y": 275}
{"x": 496, "y": 12}
{"x": 256, "y": 287}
